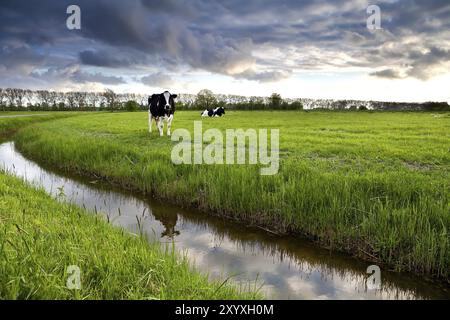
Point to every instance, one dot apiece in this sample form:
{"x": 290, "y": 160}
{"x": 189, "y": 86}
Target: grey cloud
{"x": 19, "y": 58}
{"x": 97, "y": 77}
{"x": 222, "y": 36}
{"x": 109, "y": 57}
{"x": 265, "y": 76}
{"x": 102, "y": 59}
{"x": 157, "y": 80}
{"x": 424, "y": 65}
{"x": 73, "y": 73}
{"x": 386, "y": 73}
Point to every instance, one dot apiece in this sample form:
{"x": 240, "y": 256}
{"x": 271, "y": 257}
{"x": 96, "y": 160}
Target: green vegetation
{"x": 205, "y": 100}
{"x": 40, "y": 238}
{"x": 11, "y": 121}
{"x": 373, "y": 184}
{"x": 436, "y": 106}
{"x": 132, "y": 106}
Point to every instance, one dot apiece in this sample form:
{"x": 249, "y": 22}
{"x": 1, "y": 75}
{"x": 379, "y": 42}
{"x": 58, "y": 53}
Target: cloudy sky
{"x": 299, "y": 48}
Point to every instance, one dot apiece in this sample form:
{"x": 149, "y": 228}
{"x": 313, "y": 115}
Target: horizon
{"x": 218, "y": 94}
{"x": 318, "y": 50}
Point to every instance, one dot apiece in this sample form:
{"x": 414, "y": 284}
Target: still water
{"x": 284, "y": 267}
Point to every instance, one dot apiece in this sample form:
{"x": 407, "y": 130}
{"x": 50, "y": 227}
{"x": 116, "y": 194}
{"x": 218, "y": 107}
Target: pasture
{"x": 12, "y": 121}
{"x": 40, "y": 237}
{"x": 375, "y": 184}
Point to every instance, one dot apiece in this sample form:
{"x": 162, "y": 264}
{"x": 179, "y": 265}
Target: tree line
{"x": 12, "y": 99}
{"x": 207, "y": 100}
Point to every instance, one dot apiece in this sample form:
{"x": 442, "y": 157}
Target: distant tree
{"x": 61, "y": 100}
{"x": 258, "y": 103}
{"x": 44, "y": 98}
{"x": 53, "y": 100}
{"x": 81, "y": 100}
{"x": 362, "y": 108}
{"x": 285, "y": 105}
{"x": 296, "y": 105}
{"x": 19, "y": 97}
{"x": 93, "y": 99}
{"x": 436, "y": 106}
{"x": 205, "y": 100}
{"x": 275, "y": 101}
{"x": 111, "y": 99}
{"x": 2, "y": 98}
{"x": 9, "y": 93}
{"x": 71, "y": 100}
{"x": 29, "y": 95}
{"x": 131, "y": 106}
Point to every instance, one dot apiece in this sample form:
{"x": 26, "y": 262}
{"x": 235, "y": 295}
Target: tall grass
{"x": 40, "y": 238}
{"x": 9, "y": 123}
{"x": 373, "y": 184}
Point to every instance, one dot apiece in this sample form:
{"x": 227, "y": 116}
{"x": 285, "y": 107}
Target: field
{"x": 372, "y": 184}
{"x": 40, "y": 238}
{"x": 12, "y": 121}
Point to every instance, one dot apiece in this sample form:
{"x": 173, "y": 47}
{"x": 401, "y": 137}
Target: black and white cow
{"x": 217, "y": 112}
{"x": 161, "y": 107}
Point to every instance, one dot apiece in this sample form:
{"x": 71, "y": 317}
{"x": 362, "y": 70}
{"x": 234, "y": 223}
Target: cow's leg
{"x": 160, "y": 124}
{"x": 150, "y": 120}
{"x": 169, "y": 124}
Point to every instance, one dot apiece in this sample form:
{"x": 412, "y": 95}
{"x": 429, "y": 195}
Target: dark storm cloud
{"x": 19, "y": 58}
{"x": 73, "y": 73}
{"x": 102, "y": 59}
{"x": 112, "y": 58}
{"x": 228, "y": 37}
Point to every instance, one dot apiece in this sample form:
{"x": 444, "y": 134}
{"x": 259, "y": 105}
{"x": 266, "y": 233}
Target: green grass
{"x": 40, "y": 238}
{"x": 9, "y": 124}
{"x": 373, "y": 184}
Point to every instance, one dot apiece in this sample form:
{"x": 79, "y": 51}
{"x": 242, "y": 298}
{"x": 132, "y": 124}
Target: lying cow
{"x": 161, "y": 107}
{"x": 217, "y": 112}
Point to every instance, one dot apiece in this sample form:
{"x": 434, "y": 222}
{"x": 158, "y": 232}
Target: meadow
{"x": 12, "y": 121}
{"x": 41, "y": 237}
{"x": 374, "y": 184}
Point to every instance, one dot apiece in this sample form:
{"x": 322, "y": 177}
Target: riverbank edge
{"x": 350, "y": 247}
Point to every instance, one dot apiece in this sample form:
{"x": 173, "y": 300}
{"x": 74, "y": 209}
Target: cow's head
{"x": 168, "y": 100}
{"x": 220, "y": 111}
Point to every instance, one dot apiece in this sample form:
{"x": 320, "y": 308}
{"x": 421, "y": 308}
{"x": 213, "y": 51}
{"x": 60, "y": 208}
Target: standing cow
{"x": 161, "y": 107}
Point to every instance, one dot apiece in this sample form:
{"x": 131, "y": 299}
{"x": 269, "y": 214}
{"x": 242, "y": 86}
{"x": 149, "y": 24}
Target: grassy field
{"x": 373, "y": 184}
{"x": 40, "y": 238}
{"x": 11, "y": 121}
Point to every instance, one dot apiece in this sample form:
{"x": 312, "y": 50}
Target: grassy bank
{"x": 11, "y": 121}
{"x": 373, "y": 184}
{"x": 40, "y": 238}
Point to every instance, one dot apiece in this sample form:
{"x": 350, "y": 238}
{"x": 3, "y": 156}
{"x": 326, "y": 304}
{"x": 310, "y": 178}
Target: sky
{"x": 298, "y": 48}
